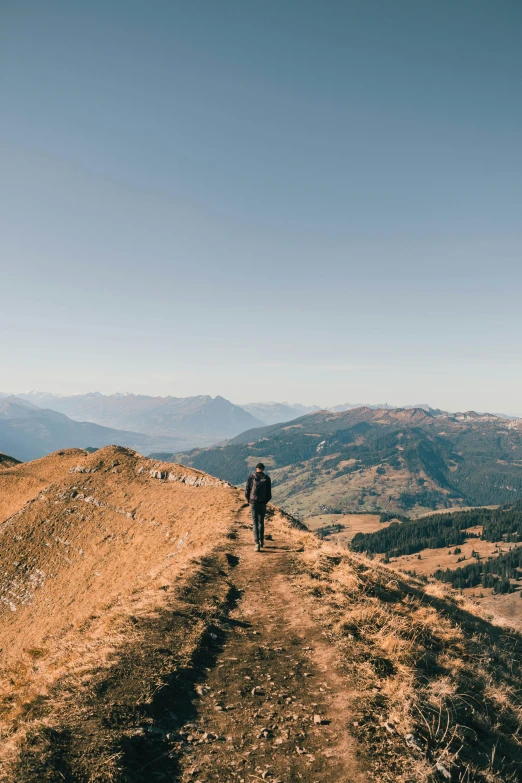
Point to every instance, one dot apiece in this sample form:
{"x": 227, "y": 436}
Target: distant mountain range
{"x": 348, "y": 406}
{"x": 364, "y": 459}
{"x": 28, "y": 432}
{"x": 35, "y": 423}
{"x": 213, "y": 418}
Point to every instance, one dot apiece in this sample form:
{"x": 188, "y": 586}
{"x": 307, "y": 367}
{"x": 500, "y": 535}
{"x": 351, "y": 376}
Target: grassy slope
{"x": 20, "y": 482}
{"x": 434, "y": 680}
{"x": 91, "y": 534}
{"x": 92, "y": 577}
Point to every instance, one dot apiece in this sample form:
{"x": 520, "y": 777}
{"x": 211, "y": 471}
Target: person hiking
{"x": 258, "y": 493}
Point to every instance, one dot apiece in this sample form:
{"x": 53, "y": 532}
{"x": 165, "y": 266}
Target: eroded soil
{"x": 273, "y": 706}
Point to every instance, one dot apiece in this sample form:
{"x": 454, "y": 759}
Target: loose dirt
{"x": 273, "y": 706}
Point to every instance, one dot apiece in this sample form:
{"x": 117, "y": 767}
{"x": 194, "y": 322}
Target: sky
{"x": 267, "y": 200}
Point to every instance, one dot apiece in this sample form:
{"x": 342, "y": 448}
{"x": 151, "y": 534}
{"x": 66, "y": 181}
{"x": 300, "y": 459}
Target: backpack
{"x": 259, "y": 488}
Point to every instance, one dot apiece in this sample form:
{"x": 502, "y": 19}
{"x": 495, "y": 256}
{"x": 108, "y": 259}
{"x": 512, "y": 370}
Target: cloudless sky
{"x": 264, "y": 199}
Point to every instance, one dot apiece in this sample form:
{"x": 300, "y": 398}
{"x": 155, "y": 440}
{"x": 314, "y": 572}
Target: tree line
{"x": 441, "y": 530}
{"x": 494, "y": 572}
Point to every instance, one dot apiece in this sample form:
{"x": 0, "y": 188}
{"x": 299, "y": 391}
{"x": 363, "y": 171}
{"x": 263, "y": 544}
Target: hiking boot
{"x": 261, "y": 544}
{"x": 257, "y": 548}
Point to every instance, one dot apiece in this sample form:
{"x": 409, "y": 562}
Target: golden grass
{"x": 431, "y": 675}
{"x": 108, "y": 541}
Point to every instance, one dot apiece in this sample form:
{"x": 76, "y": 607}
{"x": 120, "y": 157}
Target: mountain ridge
{"x": 374, "y": 460}
{"x": 28, "y": 432}
{"x": 202, "y": 416}
{"x": 140, "y": 630}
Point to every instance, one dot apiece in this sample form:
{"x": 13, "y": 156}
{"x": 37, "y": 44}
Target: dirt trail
{"x": 272, "y": 707}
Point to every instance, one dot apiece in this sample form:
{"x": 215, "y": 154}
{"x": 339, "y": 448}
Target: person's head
{"x": 260, "y": 467}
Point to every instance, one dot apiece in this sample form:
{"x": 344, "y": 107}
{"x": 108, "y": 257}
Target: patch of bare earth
{"x": 274, "y": 707}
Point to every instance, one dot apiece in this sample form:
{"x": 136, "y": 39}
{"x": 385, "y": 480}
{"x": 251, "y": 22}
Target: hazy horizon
{"x": 273, "y": 201}
{"x": 320, "y": 405}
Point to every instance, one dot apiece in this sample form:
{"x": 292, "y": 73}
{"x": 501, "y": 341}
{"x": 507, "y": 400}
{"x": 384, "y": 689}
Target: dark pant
{"x": 258, "y": 521}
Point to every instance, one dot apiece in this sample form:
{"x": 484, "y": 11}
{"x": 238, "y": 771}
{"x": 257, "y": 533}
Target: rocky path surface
{"x": 272, "y": 706}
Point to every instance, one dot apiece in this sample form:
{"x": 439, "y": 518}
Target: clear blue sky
{"x": 265, "y": 200}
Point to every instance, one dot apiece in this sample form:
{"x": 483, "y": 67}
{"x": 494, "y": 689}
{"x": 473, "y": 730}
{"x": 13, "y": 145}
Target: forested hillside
{"x": 403, "y": 460}
{"x": 494, "y": 572}
{"x": 442, "y": 530}
{"x": 501, "y": 570}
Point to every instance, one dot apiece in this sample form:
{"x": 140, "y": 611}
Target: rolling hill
{"x": 373, "y": 460}
{"x": 28, "y": 432}
{"x": 143, "y": 639}
{"x": 200, "y": 420}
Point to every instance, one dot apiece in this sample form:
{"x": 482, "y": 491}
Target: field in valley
{"x": 351, "y": 524}
{"x": 501, "y": 609}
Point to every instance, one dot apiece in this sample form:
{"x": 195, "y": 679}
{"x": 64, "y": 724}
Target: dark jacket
{"x": 258, "y": 488}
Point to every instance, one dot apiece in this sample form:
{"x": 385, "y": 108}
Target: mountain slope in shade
{"x": 373, "y": 460}
{"x": 7, "y": 462}
{"x": 143, "y": 639}
{"x": 213, "y": 418}
{"x": 28, "y": 432}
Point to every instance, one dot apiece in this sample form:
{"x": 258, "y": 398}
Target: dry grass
{"x": 431, "y": 559}
{"x": 110, "y": 579}
{"x": 436, "y": 684}
{"x": 83, "y": 561}
{"x": 21, "y": 482}
{"x": 352, "y": 524}
{"x": 504, "y": 610}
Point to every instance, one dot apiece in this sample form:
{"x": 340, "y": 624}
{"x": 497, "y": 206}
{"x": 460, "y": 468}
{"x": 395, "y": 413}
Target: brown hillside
{"x": 144, "y": 640}
{"x": 21, "y": 481}
{"x": 84, "y": 540}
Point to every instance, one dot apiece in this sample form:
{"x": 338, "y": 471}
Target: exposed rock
{"x": 192, "y": 480}
{"x": 446, "y": 774}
